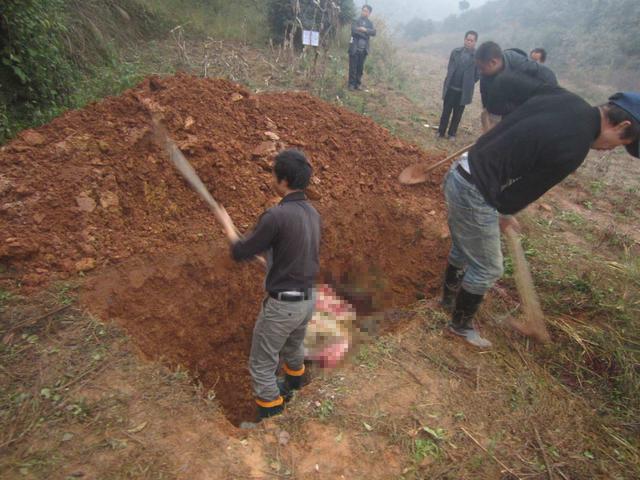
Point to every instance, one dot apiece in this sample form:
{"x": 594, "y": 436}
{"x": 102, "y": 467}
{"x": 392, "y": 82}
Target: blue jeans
{"x": 475, "y": 234}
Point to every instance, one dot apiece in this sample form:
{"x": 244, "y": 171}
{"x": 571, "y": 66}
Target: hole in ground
{"x": 194, "y": 306}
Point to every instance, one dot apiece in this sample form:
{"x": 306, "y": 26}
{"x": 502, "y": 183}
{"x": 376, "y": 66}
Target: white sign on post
{"x": 310, "y": 37}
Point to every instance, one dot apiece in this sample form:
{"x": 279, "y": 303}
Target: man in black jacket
{"x": 462, "y": 75}
{"x": 493, "y": 61}
{"x": 289, "y": 234}
{"x": 361, "y": 31}
{"x": 534, "y": 148}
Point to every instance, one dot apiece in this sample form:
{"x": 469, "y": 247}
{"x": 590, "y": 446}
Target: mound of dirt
{"x": 91, "y": 193}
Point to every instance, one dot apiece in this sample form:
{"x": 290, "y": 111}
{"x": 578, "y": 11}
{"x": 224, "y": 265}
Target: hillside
{"x": 125, "y": 327}
{"x": 597, "y": 37}
{"x": 61, "y": 54}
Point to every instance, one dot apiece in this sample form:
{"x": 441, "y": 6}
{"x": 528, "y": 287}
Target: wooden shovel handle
{"x": 453, "y": 156}
{"x": 186, "y": 169}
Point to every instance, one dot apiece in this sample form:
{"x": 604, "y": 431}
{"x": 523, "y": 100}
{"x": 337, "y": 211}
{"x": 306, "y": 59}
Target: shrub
{"x": 34, "y": 67}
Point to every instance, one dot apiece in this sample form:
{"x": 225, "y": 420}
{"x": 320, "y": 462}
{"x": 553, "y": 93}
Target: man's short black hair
{"x": 292, "y": 166}
{"x": 368, "y": 7}
{"x": 471, "y": 32}
{"x": 488, "y": 51}
{"x": 542, "y": 52}
{"x": 616, "y": 115}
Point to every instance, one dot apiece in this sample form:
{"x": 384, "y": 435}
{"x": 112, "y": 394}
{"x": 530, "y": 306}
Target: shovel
{"x": 185, "y": 169}
{"x": 532, "y": 324}
{"x": 419, "y": 172}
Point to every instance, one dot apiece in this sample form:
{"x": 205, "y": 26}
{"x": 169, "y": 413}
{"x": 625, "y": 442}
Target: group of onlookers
{"x": 468, "y": 66}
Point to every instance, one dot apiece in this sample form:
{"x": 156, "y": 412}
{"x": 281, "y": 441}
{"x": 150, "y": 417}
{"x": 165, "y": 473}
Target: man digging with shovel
{"x": 540, "y": 143}
{"x": 289, "y": 234}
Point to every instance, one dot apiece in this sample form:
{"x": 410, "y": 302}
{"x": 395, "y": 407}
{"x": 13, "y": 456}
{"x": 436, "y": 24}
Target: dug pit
{"x": 96, "y": 196}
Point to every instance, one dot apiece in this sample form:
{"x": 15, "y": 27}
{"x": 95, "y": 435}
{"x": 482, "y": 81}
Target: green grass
{"x": 572, "y": 218}
{"x": 5, "y": 297}
{"x": 423, "y": 448}
{"x": 326, "y": 409}
{"x": 242, "y": 20}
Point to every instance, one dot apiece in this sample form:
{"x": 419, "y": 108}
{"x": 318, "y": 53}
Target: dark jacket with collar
{"x": 290, "y": 234}
{"x": 360, "y": 40}
{"x": 470, "y": 76}
{"x": 515, "y": 60}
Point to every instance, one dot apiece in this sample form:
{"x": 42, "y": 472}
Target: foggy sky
{"x": 397, "y": 11}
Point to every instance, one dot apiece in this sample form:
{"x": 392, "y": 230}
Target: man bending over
{"x": 534, "y": 148}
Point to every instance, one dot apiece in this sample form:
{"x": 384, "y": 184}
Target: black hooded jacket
{"x": 515, "y": 60}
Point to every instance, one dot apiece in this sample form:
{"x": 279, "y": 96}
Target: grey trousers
{"x": 279, "y": 330}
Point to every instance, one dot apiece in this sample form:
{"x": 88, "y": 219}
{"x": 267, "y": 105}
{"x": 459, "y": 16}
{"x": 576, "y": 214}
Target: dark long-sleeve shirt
{"x": 290, "y": 234}
{"x": 536, "y": 147}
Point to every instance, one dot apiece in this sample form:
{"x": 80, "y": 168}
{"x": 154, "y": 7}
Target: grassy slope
{"x": 113, "y": 45}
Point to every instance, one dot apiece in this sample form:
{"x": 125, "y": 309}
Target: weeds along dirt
{"x": 90, "y": 194}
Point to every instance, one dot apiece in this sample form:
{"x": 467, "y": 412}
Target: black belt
{"x": 466, "y": 175}
{"x": 291, "y": 295}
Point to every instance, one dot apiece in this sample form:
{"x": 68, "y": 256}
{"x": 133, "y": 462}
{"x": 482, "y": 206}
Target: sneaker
{"x": 452, "y": 138}
{"x": 352, "y": 88}
{"x": 470, "y": 335}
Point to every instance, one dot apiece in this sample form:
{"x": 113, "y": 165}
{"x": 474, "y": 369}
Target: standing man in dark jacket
{"x": 289, "y": 234}
{"x": 361, "y": 30}
{"x": 462, "y": 75}
{"x": 534, "y": 148}
{"x": 492, "y": 62}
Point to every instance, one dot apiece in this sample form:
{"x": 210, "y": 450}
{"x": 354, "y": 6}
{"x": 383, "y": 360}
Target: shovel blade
{"x": 413, "y": 175}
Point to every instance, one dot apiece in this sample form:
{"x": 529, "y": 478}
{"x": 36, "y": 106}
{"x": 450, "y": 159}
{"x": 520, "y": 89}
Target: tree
{"x": 464, "y": 5}
{"x": 288, "y": 17}
{"x": 418, "y": 28}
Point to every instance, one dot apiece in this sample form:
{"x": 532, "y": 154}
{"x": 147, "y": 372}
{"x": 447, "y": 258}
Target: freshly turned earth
{"x": 91, "y": 193}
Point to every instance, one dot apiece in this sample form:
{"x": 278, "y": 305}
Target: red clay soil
{"x": 90, "y": 192}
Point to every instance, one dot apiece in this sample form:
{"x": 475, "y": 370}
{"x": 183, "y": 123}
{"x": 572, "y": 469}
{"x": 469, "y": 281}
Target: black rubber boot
{"x": 288, "y": 385}
{"x": 451, "y": 286}
{"x": 466, "y": 307}
{"x": 266, "y": 412}
{"x": 293, "y": 380}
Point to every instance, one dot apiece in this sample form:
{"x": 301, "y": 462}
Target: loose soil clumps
{"x": 90, "y": 193}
